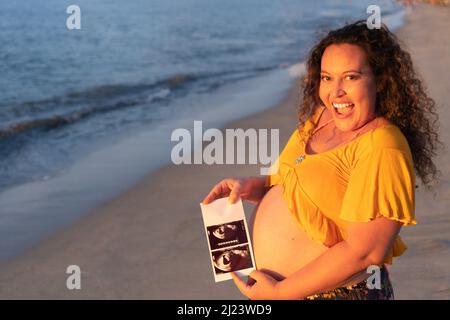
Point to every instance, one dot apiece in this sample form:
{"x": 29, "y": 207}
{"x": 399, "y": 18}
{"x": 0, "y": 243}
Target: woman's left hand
{"x": 265, "y": 287}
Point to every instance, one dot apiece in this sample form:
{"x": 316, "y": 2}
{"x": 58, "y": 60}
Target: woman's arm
{"x": 367, "y": 243}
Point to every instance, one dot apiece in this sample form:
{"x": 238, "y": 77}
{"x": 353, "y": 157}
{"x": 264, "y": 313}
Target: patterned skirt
{"x": 360, "y": 291}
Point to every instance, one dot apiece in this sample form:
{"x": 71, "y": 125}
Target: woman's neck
{"x": 338, "y": 137}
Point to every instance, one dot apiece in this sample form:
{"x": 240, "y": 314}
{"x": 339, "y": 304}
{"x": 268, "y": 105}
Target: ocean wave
{"x": 63, "y": 110}
{"x": 82, "y": 104}
{"x": 55, "y": 121}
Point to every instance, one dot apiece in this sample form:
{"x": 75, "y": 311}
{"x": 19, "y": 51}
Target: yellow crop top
{"x": 369, "y": 177}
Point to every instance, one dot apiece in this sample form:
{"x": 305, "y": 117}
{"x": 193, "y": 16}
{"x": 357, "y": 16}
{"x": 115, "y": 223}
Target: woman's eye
{"x": 324, "y": 78}
{"x": 351, "y": 77}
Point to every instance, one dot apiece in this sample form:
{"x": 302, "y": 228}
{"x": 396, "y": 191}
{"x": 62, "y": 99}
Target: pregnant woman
{"x": 345, "y": 183}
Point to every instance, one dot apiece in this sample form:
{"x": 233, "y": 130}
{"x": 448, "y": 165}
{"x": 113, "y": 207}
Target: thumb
{"x": 258, "y": 276}
{"x": 234, "y": 194}
{"x": 241, "y": 285}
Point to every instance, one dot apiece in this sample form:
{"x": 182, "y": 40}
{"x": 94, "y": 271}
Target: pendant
{"x": 300, "y": 159}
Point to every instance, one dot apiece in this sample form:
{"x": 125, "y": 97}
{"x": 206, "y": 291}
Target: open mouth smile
{"x": 343, "y": 108}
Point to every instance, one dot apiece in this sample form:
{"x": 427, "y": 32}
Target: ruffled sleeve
{"x": 381, "y": 184}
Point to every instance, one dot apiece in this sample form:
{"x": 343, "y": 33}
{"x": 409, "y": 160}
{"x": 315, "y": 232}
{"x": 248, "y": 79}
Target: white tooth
{"x": 341, "y": 105}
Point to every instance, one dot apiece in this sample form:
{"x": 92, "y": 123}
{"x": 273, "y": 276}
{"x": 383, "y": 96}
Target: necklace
{"x": 303, "y": 156}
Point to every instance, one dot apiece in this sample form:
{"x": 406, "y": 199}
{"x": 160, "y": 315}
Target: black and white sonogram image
{"x": 227, "y": 234}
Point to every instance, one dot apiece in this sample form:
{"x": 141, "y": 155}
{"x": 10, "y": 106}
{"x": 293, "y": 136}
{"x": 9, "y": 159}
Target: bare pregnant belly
{"x": 280, "y": 246}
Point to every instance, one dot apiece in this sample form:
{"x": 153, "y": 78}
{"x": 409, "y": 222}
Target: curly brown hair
{"x": 400, "y": 98}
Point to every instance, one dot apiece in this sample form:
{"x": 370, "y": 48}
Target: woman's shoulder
{"x": 388, "y": 135}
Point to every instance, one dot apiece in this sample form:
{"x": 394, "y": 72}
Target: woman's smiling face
{"x": 347, "y": 86}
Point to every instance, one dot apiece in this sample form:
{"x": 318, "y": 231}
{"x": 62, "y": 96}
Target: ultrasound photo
{"x": 227, "y": 234}
{"x": 230, "y": 248}
{"x": 232, "y": 259}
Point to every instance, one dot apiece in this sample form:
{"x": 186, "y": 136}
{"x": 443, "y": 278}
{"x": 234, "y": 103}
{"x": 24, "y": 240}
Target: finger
{"x": 210, "y": 197}
{"x": 215, "y": 193}
{"x": 250, "y": 281}
{"x": 241, "y": 284}
{"x": 258, "y": 275}
{"x": 207, "y": 199}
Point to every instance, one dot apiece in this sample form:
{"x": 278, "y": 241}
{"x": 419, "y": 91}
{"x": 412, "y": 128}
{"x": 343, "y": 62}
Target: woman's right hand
{"x": 251, "y": 189}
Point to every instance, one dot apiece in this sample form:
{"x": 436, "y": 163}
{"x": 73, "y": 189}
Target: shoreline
{"x": 144, "y": 245}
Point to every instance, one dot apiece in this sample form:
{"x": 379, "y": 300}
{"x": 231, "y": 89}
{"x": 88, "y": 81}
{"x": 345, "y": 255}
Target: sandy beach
{"x": 149, "y": 242}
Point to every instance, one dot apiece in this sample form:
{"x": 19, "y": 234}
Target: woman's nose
{"x": 338, "y": 90}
